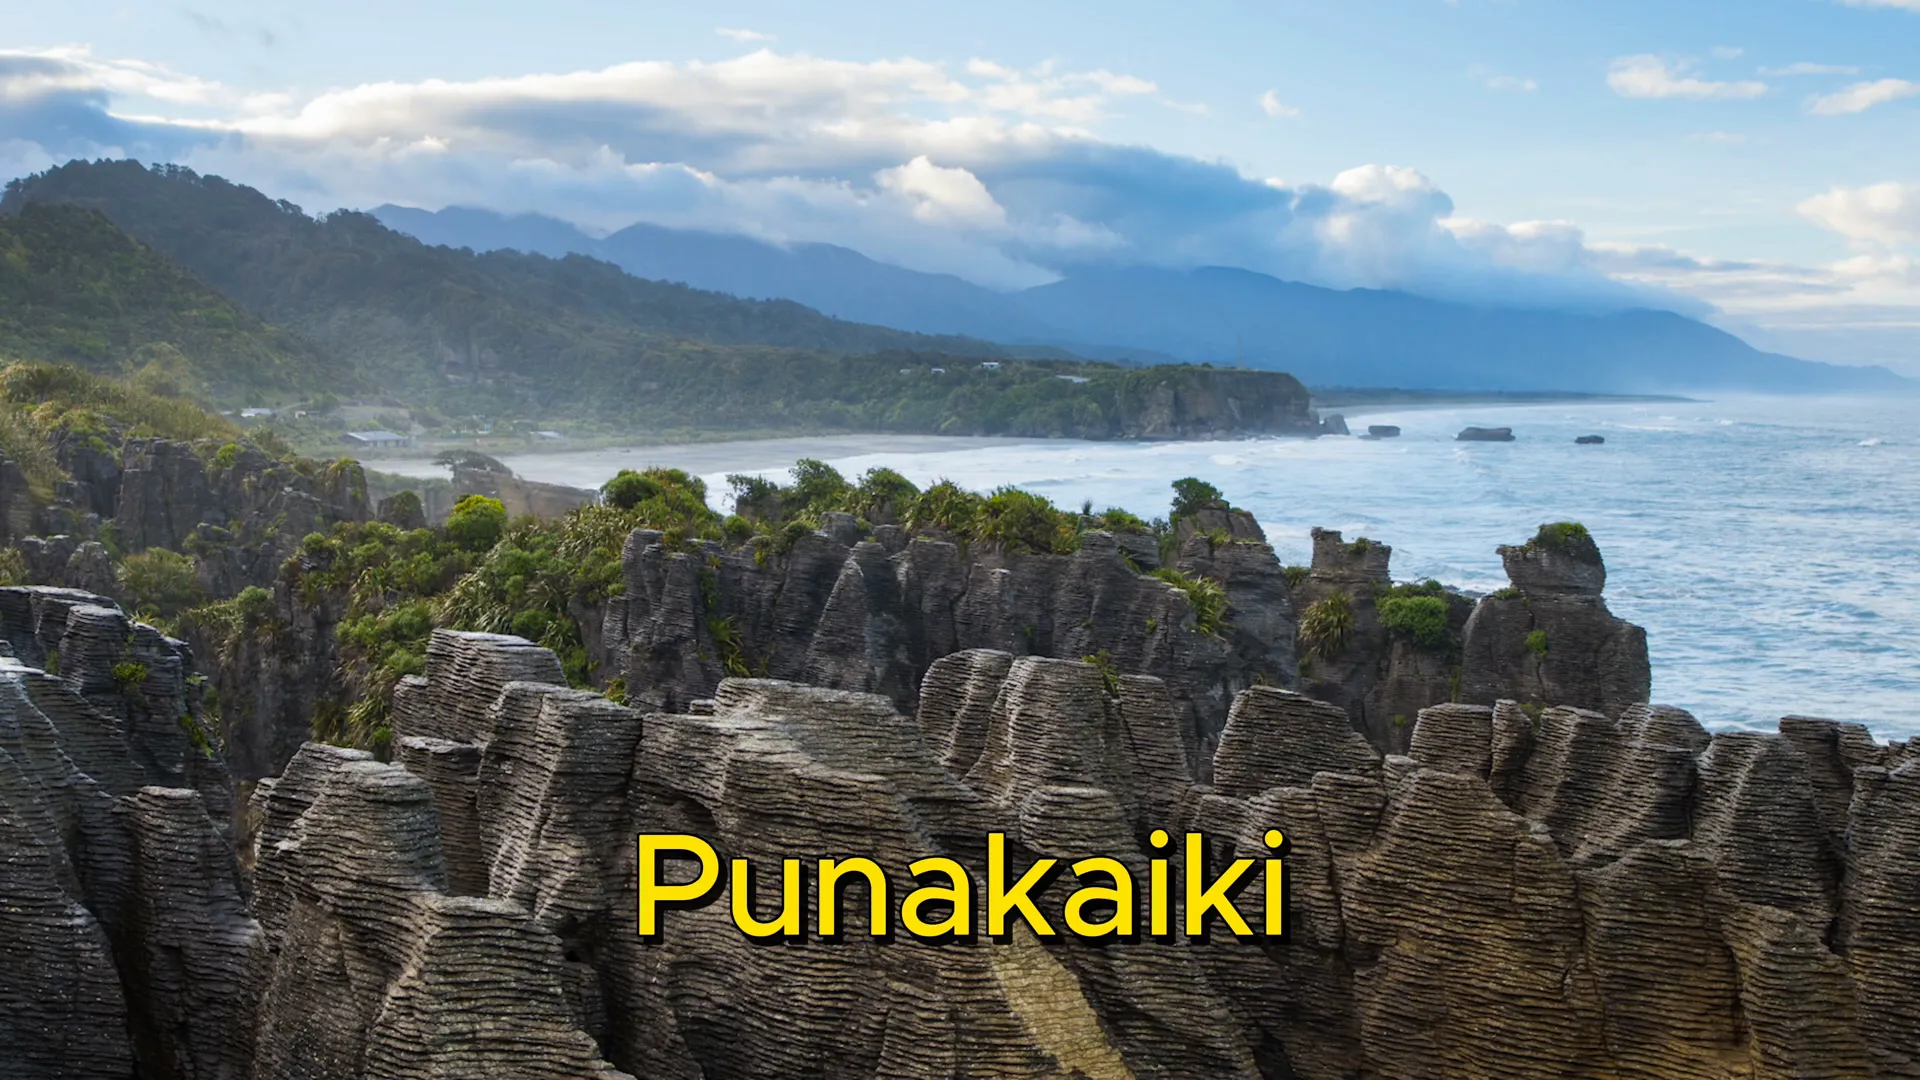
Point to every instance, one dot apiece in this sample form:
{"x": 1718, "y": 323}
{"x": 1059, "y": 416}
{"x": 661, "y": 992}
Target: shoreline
{"x": 688, "y": 445}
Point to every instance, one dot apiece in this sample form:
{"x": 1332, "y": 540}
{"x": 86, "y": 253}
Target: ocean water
{"x": 1770, "y": 546}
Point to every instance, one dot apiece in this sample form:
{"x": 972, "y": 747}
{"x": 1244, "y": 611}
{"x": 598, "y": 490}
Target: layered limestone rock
{"x": 1567, "y": 895}
{"x": 240, "y": 512}
{"x": 1550, "y": 639}
{"x": 1570, "y": 893}
{"x": 128, "y": 946}
{"x": 871, "y": 615}
{"x": 1381, "y": 677}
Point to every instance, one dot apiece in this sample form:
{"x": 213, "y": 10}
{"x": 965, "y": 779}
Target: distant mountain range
{"x": 217, "y": 288}
{"x": 1326, "y": 337}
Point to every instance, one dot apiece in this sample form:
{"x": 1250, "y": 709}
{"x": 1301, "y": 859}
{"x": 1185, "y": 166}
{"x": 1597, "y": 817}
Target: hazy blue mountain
{"x": 834, "y": 280}
{"x": 1326, "y": 337}
{"x": 1370, "y": 337}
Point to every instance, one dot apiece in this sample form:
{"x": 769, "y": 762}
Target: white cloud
{"x": 1885, "y": 214}
{"x": 1719, "y": 138}
{"x": 1860, "y": 97}
{"x": 741, "y": 35}
{"x": 1905, "y": 5}
{"x": 1508, "y": 84}
{"x": 1649, "y": 76}
{"x": 943, "y": 195}
{"x": 993, "y": 173}
{"x": 1727, "y": 52}
{"x": 1804, "y": 67}
{"x": 1271, "y": 104}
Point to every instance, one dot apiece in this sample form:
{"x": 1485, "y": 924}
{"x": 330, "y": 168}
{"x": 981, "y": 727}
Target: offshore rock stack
{"x": 1569, "y": 894}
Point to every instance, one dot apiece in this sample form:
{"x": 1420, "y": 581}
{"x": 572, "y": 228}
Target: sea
{"x": 1770, "y": 546}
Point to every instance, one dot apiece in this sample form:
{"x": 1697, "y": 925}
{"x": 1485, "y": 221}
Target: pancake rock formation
{"x": 1575, "y": 894}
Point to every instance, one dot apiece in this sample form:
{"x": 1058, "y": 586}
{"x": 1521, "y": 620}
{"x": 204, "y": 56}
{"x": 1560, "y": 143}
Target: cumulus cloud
{"x": 1885, "y": 214}
{"x": 1907, "y": 5}
{"x": 741, "y": 35}
{"x": 1650, "y": 76}
{"x": 1271, "y": 104}
{"x": 1862, "y": 96}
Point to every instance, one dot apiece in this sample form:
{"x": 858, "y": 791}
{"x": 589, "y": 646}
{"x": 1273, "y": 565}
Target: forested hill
{"x": 75, "y": 289}
{"x": 485, "y": 331}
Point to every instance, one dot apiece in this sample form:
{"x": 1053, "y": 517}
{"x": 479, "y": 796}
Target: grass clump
{"x": 1537, "y": 643}
{"x": 1109, "y": 671}
{"x": 1327, "y": 625}
{"x": 1207, "y": 597}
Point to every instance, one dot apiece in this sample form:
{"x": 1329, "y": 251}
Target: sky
{"x": 1752, "y": 162}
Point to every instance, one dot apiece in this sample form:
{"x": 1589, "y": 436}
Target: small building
{"x": 990, "y": 365}
{"x": 1072, "y": 378}
{"x": 254, "y": 414}
{"x": 939, "y": 371}
{"x": 376, "y": 440}
{"x": 550, "y": 436}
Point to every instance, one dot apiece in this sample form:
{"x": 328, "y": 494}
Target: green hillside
{"x": 486, "y": 333}
{"x": 75, "y": 289}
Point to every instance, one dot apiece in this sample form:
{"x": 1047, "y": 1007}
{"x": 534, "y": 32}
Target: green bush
{"x": 1420, "y": 619}
{"x": 755, "y": 498}
{"x": 226, "y": 456}
{"x": 818, "y": 487}
{"x": 1568, "y": 538}
{"x": 1115, "y": 520}
{"x": 13, "y": 567}
{"x": 158, "y": 584}
{"x": 1191, "y": 495}
{"x": 129, "y": 676}
{"x": 477, "y": 522}
{"x": 1537, "y": 643}
{"x": 882, "y": 495}
{"x": 948, "y": 506}
{"x": 628, "y": 489}
{"x": 1013, "y": 520}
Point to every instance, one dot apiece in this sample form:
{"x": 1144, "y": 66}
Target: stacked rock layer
{"x": 1567, "y": 894}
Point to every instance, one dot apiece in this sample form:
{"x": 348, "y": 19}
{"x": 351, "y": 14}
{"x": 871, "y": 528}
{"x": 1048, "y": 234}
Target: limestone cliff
{"x": 1573, "y": 896}
{"x": 127, "y": 945}
{"x": 240, "y": 512}
{"x": 870, "y": 615}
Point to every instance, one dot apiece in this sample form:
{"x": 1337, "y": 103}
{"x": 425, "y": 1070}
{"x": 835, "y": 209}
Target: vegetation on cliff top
{"x": 45, "y": 406}
{"x": 1567, "y": 537}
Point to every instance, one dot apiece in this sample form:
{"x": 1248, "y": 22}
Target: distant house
{"x": 990, "y": 365}
{"x": 939, "y": 371}
{"x": 548, "y": 435}
{"x": 906, "y": 371}
{"x": 250, "y": 414}
{"x": 1072, "y": 378}
{"x": 376, "y": 440}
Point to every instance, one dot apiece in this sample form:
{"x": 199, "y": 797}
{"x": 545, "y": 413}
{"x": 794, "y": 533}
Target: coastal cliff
{"x": 1573, "y": 895}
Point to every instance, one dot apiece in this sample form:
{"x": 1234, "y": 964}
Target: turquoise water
{"x": 1771, "y": 547}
